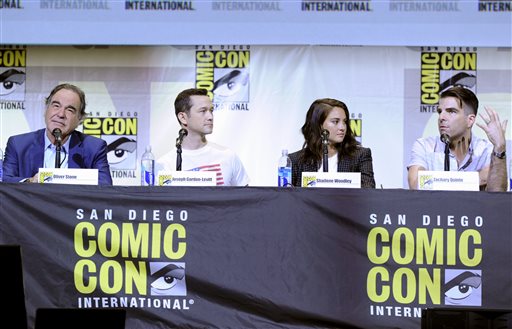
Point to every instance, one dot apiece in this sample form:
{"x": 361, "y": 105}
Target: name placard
{"x": 68, "y": 176}
{"x": 331, "y": 179}
{"x": 186, "y": 178}
{"x": 448, "y": 180}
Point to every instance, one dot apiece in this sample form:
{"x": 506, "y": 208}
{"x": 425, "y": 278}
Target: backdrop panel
{"x": 390, "y": 93}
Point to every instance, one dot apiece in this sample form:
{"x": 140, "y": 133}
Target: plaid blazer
{"x": 361, "y": 162}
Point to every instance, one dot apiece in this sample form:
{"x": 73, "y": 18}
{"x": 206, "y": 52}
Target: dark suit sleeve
{"x": 100, "y": 162}
{"x": 11, "y": 165}
{"x": 17, "y": 161}
{"x": 366, "y": 168}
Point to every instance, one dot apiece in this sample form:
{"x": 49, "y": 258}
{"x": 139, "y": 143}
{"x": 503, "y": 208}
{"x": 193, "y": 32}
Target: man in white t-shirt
{"x": 194, "y": 111}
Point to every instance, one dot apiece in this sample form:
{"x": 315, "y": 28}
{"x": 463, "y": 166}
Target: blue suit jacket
{"x": 24, "y": 155}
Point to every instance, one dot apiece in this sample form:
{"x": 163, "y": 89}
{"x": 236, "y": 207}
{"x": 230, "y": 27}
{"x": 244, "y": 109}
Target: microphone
{"x": 445, "y": 138}
{"x": 57, "y": 133}
{"x": 183, "y": 132}
{"x": 325, "y": 136}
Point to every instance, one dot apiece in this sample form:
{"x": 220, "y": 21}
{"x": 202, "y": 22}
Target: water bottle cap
{"x": 148, "y": 148}
{"x": 284, "y": 152}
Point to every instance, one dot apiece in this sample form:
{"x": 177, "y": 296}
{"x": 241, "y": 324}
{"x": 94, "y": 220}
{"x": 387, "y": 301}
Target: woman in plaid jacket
{"x": 327, "y": 121}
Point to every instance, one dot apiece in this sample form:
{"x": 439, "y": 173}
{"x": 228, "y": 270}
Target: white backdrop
{"x": 380, "y": 85}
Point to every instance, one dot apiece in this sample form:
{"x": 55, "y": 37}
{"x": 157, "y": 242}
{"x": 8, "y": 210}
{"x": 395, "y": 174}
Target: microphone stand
{"x": 178, "y": 157}
{"x": 447, "y": 157}
{"x": 325, "y": 161}
{"x": 57, "y": 154}
{"x": 183, "y": 132}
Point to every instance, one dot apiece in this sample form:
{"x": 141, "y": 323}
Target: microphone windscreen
{"x": 56, "y": 132}
{"x": 445, "y": 138}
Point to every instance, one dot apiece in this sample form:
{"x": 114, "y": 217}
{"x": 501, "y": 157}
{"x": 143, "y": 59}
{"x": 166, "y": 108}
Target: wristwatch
{"x": 500, "y": 155}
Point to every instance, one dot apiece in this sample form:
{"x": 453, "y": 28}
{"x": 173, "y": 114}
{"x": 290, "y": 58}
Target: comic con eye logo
{"x": 231, "y": 83}
{"x": 461, "y": 79}
{"x": 166, "y": 278}
{"x": 10, "y": 80}
{"x": 459, "y": 290}
{"x": 118, "y": 150}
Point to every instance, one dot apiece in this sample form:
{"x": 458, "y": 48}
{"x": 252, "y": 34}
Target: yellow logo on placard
{"x": 308, "y": 181}
{"x": 164, "y": 180}
{"x": 45, "y": 177}
{"x": 425, "y": 182}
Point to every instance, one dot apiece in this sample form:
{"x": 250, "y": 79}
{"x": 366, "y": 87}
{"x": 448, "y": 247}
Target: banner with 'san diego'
{"x": 285, "y": 258}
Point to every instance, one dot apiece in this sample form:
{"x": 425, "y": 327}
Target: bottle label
{"x": 284, "y": 177}
{"x": 148, "y": 177}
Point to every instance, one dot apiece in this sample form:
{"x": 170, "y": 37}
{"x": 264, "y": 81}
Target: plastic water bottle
{"x": 1, "y": 165}
{"x": 147, "y": 166}
{"x": 284, "y": 170}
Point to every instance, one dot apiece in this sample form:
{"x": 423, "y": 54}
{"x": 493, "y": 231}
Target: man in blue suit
{"x": 65, "y": 110}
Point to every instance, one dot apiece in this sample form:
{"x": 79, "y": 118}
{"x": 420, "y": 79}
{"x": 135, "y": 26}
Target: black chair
{"x": 12, "y": 303}
{"x": 80, "y": 318}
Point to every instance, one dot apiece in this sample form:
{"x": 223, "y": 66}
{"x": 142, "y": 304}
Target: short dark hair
{"x": 182, "y": 102}
{"x": 73, "y": 88}
{"x": 465, "y": 97}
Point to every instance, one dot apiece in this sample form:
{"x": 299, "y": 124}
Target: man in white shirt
{"x": 194, "y": 111}
{"x": 457, "y": 111}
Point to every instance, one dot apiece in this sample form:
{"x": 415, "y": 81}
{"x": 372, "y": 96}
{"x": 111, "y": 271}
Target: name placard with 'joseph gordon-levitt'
{"x": 186, "y": 178}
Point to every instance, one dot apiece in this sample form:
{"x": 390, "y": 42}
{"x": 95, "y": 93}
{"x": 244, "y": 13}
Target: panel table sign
{"x": 186, "y": 178}
{"x": 448, "y": 180}
{"x": 77, "y": 176}
{"x": 329, "y": 179}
